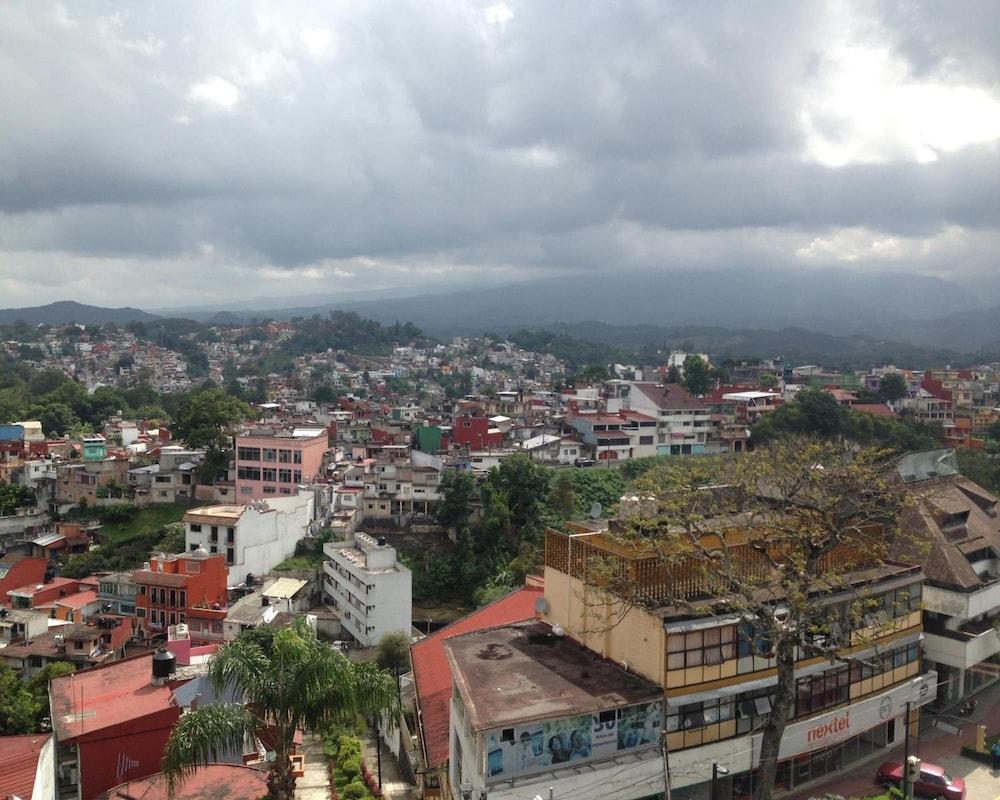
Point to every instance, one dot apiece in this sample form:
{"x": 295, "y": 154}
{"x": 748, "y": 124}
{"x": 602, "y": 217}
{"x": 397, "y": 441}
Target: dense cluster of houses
{"x": 331, "y": 476}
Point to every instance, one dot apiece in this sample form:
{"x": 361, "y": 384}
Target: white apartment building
{"x": 367, "y": 585}
{"x": 683, "y": 423}
{"x": 255, "y": 538}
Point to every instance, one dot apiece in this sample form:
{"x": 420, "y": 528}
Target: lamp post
{"x": 716, "y": 772}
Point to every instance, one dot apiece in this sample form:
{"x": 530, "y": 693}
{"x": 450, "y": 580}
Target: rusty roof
{"x": 522, "y": 672}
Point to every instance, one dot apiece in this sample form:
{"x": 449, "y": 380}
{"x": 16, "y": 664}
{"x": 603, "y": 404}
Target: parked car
{"x": 584, "y": 462}
{"x": 934, "y": 782}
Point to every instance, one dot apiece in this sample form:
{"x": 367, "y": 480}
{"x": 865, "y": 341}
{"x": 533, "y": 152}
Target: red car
{"x": 934, "y": 782}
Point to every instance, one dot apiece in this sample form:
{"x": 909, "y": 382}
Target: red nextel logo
{"x": 835, "y": 725}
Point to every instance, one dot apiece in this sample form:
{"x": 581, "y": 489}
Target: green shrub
{"x": 354, "y": 791}
{"x": 351, "y": 767}
{"x": 348, "y": 746}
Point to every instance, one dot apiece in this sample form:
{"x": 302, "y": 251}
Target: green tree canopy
{"x": 18, "y": 709}
{"x": 697, "y": 378}
{"x": 393, "y": 653}
{"x": 456, "y": 489}
{"x": 892, "y": 387}
{"x": 206, "y": 418}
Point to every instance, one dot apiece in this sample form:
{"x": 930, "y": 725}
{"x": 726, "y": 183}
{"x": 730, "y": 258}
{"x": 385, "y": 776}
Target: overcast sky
{"x": 171, "y": 153}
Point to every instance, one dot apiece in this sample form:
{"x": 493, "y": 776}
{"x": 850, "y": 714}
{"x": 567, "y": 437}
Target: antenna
{"x": 595, "y": 511}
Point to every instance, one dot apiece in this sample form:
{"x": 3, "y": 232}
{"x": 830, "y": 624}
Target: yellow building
{"x": 717, "y": 675}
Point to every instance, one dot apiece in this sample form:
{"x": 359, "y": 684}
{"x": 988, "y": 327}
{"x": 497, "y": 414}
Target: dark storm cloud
{"x": 498, "y": 137}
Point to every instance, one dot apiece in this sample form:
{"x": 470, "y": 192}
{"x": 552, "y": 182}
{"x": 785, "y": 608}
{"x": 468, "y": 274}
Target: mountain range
{"x": 65, "y": 312}
{"x": 928, "y": 313}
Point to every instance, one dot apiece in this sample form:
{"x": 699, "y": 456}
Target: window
{"x": 284, "y": 456}
{"x": 269, "y": 474}
{"x": 697, "y": 648}
{"x": 818, "y": 692}
{"x": 296, "y": 477}
{"x": 269, "y": 490}
{"x": 270, "y": 454}
{"x": 752, "y": 709}
{"x": 248, "y": 454}
{"x": 248, "y": 473}
{"x": 195, "y": 527}
{"x": 297, "y": 457}
{"x": 284, "y": 476}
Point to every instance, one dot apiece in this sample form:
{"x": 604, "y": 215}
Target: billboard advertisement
{"x": 546, "y": 744}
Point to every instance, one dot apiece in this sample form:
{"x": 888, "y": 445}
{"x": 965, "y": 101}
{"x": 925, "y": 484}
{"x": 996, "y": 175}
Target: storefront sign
{"x": 841, "y": 725}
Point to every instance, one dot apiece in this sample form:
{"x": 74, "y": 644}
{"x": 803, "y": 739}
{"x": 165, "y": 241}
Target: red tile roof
{"x": 19, "y": 763}
{"x": 875, "y": 409}
{"x": 218, "y": 781}
{"x": 432, "y": 674}
{"x": 78, "y": 600}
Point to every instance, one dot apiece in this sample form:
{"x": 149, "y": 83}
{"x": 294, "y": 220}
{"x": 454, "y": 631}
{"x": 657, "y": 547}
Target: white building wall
{"x": 262, "y": 538}
{"x": 266, "y": 538}
{"x": 371, "y": 602}
{"x": 45, "y": 772}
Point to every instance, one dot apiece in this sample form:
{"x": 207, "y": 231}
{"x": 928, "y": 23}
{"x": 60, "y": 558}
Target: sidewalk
{"x": 393, "y": 785}
{"x": 933, "y": 745}
{"x": 314, "y": 785}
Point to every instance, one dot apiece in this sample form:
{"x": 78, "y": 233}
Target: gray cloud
{"x": 217, "y": 147}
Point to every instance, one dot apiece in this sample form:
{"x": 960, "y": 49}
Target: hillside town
{"x": 135, "y": 548}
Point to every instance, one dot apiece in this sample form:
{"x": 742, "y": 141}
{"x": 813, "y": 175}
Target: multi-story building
{"x": 718, "y": 677}
{"x": 683, "y": 422}
{"x": 189, "y": 588}
{"x": 534, "y": 714}
{"x": 254, "y": 538}
{"x": 957, "y": 519}
{"x": 618, "y": 436}
{"x": 368, "y": 586}
{"x": 271, "y": 463}
{"x": 110, "y": 724}
{"x": 395, "y": 489}
{"x": 117, "y": 592}
{"x": 80, "y": 481}
{"x": 172, "y": 479}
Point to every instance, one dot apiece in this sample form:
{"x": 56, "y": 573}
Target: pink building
{"x": 273, "y": 462}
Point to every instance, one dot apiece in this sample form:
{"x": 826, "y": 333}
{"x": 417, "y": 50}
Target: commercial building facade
{"x": 718, "y": 677}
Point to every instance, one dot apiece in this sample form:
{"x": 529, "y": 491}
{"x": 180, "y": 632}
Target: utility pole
{"x": 666, "y": 765}
{"x": 906, "y": 755}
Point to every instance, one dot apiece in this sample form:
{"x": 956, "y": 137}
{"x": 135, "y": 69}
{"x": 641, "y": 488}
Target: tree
{"x": 393, "y": 653}
{"x": 892, "y": 387}
{"x": 673, "y": 374}
{"x": 39, "y": 688}
{"x": 811, "y": 518}
{"x": 561, "y": 497}
{"x": 697, "y": 379}
{"x": 768, "y": 381}
{"x": 205, "y": 418}
{"x": 17, "y": 706}
{"x": 288, "y": 679}
{"x": 524, "y": 485}
{"x": 456, "y": 489}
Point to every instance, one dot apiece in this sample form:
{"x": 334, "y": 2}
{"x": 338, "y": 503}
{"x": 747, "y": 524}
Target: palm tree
{"x": 289, "y": 680}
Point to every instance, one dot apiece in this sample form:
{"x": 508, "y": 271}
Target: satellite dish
{"x": 595, "y": 511}
{"x": 541, "y": 605}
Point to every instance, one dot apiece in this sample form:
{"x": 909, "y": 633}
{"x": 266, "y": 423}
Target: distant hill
{"x": 834, "y": 301}
{"x": 66, "y": 312}
{"x": 794, "y": 345}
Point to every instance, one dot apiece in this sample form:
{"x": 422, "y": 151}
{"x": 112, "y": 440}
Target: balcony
{"x": 964, "y": 605}
{"x": 962, "y": 648}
